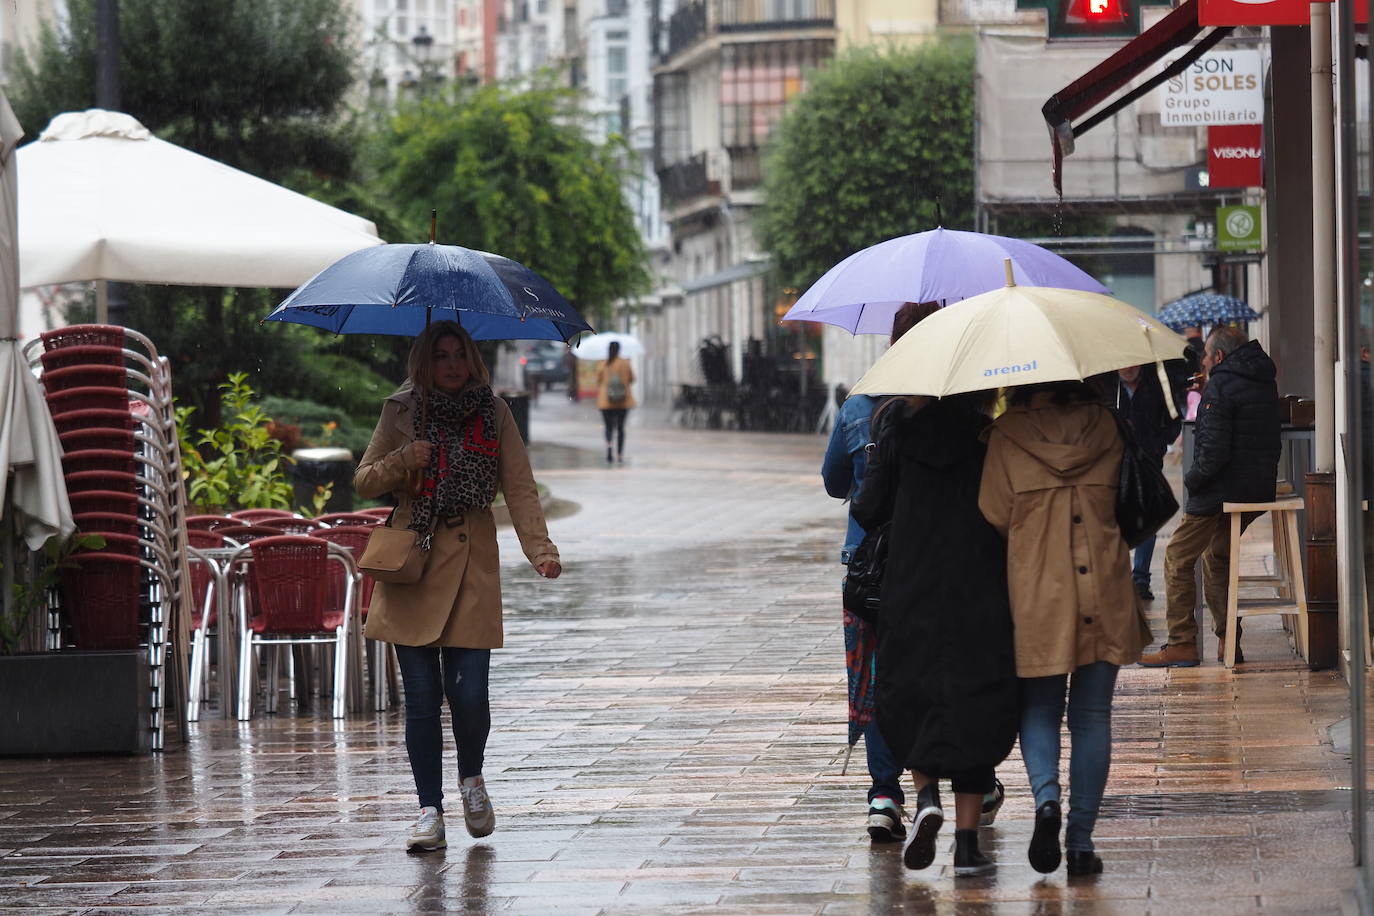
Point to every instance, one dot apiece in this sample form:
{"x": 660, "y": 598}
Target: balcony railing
{"x": 746, "y": 170}
{"x": 686, "y": 27}
{"x": 685, "y": 180}
{"x": 733, "y": 15}
{"x": 696, "y": 19}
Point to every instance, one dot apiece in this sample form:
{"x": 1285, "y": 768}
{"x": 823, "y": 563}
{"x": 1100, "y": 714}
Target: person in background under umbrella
{"x": 1141, "y": 401}
{"x": 445, "y": 626}
{"x": 1049, "y": 486}
{"x": 946, "y": 676}
{"x": 614, "y": 398}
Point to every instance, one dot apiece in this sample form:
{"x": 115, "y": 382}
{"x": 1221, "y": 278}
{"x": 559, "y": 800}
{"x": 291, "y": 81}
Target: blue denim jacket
{"x": 843, "y": 468}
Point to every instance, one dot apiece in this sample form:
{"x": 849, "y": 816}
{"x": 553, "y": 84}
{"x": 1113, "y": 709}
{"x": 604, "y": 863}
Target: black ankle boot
{"x": 1044, "y": 852}
{"x": 1083, "y": 863}
{"x": 968, "y": 860}
{"x": 930, "y": 817}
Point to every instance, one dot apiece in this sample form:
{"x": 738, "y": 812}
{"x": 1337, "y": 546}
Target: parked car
{"x": 544, "y": 363}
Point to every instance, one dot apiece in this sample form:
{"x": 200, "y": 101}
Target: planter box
{"x": 75, "y": 703}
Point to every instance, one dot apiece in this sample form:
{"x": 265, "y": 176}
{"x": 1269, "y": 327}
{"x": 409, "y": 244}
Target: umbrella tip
{"x": 1011, "y": 279}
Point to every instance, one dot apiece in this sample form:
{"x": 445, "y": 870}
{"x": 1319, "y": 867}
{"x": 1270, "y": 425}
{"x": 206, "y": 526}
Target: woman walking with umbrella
{"x": 447, "y": 427}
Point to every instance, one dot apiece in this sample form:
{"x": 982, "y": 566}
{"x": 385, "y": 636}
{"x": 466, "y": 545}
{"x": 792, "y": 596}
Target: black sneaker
{"x": 992, "y": 803}
{"x": 885, "y": 820}
{"x": 930, "y": 817}
{"x": 1142, "y": 591}
{"x": 969, "y": 861}
{"x": 1044, "y": 852}
{"x": 1083, "y": 863}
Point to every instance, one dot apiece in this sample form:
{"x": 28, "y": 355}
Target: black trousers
{"x": 614, "y": 420}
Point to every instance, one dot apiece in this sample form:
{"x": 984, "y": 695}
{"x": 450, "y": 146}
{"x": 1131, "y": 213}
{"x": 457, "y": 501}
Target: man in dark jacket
{"x": 1140, "y": 398}
{"x": 1235, "y": 459}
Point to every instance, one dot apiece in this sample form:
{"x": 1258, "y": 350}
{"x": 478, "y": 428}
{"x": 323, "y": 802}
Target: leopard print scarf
{"x": 462, "y": 468}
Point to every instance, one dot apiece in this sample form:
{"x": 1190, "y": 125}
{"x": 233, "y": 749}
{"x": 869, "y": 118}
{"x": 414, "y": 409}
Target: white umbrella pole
{"x": 102, "y": 302}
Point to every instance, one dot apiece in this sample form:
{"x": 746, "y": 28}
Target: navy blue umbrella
{"x": 1198, "y": 309}
{"x": 399, "y": 289}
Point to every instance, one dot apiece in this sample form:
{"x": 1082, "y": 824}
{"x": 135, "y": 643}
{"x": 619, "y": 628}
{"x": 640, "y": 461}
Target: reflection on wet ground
{"x": 669, "y": 721}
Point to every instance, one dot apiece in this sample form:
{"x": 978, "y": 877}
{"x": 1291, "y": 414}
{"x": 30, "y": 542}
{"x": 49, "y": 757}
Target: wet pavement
{"x": 669, "y": 722}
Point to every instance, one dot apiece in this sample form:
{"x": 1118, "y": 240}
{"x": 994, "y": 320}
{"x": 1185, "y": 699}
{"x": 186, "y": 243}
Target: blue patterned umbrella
{"x": 1198, "y": 309}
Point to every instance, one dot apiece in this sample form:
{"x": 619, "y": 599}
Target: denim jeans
{"x": 882, "y": 768}
{"x": 1090, "y": 689}
{"x": 1140, "y": 568}
{"x": 430, "y": 674}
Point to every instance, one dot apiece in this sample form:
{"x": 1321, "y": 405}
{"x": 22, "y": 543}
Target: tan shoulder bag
{"x": 396, "y": 555}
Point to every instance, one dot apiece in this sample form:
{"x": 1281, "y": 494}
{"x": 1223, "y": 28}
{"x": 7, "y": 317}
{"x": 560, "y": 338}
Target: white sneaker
{"x": 428, "y": 832}
{"x": 481, "y": 820}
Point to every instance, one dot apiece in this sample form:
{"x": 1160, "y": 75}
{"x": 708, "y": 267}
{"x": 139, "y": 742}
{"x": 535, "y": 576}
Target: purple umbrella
{"x": 864, "y": 291}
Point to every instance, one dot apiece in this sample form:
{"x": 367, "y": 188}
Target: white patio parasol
{"x": 103, "y": 199}
{"x": 28, "y": 441}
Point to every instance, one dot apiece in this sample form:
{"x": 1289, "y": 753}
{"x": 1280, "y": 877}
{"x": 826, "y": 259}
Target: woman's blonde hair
{"x": 420, "y": 365}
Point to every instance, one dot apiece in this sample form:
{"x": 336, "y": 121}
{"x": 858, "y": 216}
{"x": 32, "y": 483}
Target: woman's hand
{"x": 550, "y": 569}
{"x": 416, "y": 455}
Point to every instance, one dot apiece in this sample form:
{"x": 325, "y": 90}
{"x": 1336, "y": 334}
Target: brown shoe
{"x": 1221, "y": 651}
{"x": 1180, "y": 655}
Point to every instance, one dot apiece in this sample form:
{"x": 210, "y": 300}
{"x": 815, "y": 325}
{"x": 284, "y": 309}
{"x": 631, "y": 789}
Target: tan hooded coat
{"x": 1049, "y": 486}
{"x": 457, "y": 601}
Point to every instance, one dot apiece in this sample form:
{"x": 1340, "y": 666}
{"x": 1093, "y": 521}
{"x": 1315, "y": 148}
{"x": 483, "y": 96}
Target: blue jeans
{"x": 882, "y": 768}
{"x": 430, "y": 674}
{"x": 1140, "y": 568}
{"x": 1090, "y": 691}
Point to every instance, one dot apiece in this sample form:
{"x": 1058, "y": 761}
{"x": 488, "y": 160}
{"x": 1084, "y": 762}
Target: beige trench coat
{"x": 458, "y": 600}
{"x": 622, "y": 368}
{"x": 1049, "y": 486}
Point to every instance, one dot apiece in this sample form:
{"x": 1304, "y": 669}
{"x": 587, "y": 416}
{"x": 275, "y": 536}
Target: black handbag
{"x": 1144, "y": 499}
{"x": 863, "y": 585}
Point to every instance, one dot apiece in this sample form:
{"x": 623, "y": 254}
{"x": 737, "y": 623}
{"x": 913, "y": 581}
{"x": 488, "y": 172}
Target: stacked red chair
{"x": 110, "y": 396}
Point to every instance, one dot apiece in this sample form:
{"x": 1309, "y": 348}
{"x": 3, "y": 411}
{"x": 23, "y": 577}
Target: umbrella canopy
{"x": 1019, "y": 335}
{"x": 397, "y": 289}
{"x": 28, "y": 440}
{"x": 864, "y": 291}
{"x": 1198, "y": 310}
{"x": 598, "y": 346}
{"x": 103, "y": 199}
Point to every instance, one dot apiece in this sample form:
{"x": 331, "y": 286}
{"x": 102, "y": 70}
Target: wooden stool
{"x": 1287, "y": 579}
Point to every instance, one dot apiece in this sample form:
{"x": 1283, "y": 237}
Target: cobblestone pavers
{"x": 668, "y": 731}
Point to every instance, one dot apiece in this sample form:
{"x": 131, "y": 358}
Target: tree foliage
{"x": 513, "y": 172}
{"x": 252, "y": 83}
{"x": 879, "y": 145}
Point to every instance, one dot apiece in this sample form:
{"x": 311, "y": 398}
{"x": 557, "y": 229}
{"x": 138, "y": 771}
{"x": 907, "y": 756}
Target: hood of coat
{"x": 1067, "y": 440}
{"x": 1249, "y": 361}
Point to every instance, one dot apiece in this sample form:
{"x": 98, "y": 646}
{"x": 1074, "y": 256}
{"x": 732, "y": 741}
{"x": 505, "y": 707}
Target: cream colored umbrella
{"x": 1020, "y": 335}
{"x": 30, "y": 455}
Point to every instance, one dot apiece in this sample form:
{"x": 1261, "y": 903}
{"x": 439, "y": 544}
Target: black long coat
{"x": 946, "y": 683}
{"x": 1236, "y": 439}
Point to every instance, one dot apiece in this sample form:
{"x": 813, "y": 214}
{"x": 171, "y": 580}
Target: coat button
{"x": 1078, "y": 519}
{"x": 1083, "y": 570}
{"x": 462, "y": 538}
{"x": 1087, "y": 620}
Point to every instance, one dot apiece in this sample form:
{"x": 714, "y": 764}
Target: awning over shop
{"x": 1098, "y": 85}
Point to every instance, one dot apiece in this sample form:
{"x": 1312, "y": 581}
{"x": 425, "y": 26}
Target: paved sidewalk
{"x": 668, "y": 729}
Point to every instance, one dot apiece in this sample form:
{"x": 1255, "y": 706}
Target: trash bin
{"x": 519, "y": 402}
{"x": 316, "y": 467}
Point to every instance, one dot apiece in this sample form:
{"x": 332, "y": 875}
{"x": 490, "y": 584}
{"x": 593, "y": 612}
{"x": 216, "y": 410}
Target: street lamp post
{"x": 424, "y": 44}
